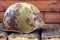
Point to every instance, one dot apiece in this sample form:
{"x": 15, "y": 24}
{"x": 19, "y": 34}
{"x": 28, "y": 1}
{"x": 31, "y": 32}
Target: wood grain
{"x": 1, "y": 16}
{"x": 29, "y": 0}
{"x": 53, "y": 24}
{"x": 51, "y": 34}
{"x": 43, "y": 6}
{"x": 52, "y": 17}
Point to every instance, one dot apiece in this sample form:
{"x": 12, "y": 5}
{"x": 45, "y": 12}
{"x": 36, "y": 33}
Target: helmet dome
{"x": 22, "y": 17}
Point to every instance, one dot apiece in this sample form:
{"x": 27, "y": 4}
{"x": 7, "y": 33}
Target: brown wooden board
{"x": 1, "y": 16}
{"x": 29, "y": 0}
{"x": 52, "y": 17}
{"x": 42, "y": 5}
{"x": 53, "y": 24}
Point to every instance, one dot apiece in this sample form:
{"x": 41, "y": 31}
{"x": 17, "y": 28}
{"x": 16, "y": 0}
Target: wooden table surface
{"x": 50, "y": 9}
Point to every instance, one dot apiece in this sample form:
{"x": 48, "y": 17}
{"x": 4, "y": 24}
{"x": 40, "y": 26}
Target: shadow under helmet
{"x": 22, "y": 17}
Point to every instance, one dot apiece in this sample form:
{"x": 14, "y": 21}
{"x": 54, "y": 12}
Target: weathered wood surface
{"x": 50, "y": 27}
{"x": 52, "y": 17}
{"x": 29, "y": 0}
{"x": 1, "y": 16}
{"x": 54, "y": 34}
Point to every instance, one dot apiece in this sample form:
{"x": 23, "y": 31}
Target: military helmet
{"x": 22, "y": 17}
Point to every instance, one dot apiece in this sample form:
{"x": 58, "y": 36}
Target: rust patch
{"x": 32, "y": 25}
{"x": 27, "y": 20}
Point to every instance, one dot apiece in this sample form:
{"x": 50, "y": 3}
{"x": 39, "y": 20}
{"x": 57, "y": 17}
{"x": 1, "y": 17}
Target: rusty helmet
{"x": 22, "y": 17}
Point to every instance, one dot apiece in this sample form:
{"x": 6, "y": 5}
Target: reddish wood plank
{"x": 28, "y": 0}
{"x": 53, "y": 24}
{"x": 43, "y": 6}
{"x": 1, "y": 16}
{"x": 52, "y": 17}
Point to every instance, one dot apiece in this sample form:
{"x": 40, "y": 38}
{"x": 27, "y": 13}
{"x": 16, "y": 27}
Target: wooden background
{"x": 49, "y": 8}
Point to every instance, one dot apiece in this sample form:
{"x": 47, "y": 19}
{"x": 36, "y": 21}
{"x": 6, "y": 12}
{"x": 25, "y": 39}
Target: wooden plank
{"x": 51, "y": 34}
{"x": 1, "y": 16}
{"x": 51, "y": 38}
{"x": 51, "y": 31}
{"x": 51, "y": 28}
{"x": 29, "y": 0}
{"x": 52, "y": 17}
{"x": 54, "y": 24}
{"x": 42, "y": 5}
